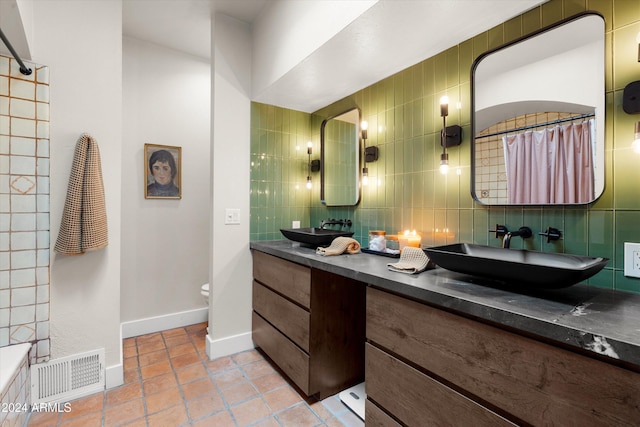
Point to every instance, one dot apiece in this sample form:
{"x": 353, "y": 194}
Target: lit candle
{"x": 409, "y": 238}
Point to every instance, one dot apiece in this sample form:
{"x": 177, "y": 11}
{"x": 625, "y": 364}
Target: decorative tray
{"x": 369, "y": 251}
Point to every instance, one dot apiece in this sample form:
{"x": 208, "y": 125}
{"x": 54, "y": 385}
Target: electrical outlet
{"x": 632, "y": 259}
{"x": 295, "y": 224}
{"x": 232, "y": 216}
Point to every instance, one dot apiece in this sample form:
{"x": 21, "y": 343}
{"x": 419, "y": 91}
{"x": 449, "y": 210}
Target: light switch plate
{"x": 632, "y": 259}
{"x": 232, "y": 216}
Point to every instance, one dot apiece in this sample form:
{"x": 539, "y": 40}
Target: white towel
{"x": 412, "y": 261}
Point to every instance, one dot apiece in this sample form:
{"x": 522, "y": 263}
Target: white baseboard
{"x": 161, "y": 323}
{"x": 229, "y": 345}
{"x": 114, "y": 376}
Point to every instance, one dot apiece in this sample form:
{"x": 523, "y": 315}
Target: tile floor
{"x": 170, "y": 382}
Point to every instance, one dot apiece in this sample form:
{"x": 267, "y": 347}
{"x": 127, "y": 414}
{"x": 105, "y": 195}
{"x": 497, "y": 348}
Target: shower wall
{"x": 24, "y": 207}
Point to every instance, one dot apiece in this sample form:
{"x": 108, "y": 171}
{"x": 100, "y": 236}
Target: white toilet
{"x": 204, "y": 291}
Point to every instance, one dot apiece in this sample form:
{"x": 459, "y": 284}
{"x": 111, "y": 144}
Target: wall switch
{"x": 232, "y": 216}
{"x": 632, "y": 259}
{"x": 295, "y": 224}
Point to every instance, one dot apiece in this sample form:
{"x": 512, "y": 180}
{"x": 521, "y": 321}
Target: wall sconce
{"x": 636, "y": 139}
{"x": 449, "y": 137}
{"x": 370, "y": 153}
{"x": 309, "y": 150}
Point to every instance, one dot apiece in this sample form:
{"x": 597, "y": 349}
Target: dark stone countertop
{"x": 593, "y": 319}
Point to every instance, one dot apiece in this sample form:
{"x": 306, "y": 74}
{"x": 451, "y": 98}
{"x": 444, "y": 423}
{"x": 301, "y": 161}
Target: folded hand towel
{"x": 412, "y": 260}
{"x": 84, "y": 219}
{"x": 339, "y": 246}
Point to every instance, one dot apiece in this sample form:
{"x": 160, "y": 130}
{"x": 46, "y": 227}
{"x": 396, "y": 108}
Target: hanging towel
{"x": 84, "y": 219}
{"x": 339, "y": 246}
{"x": 412, "y": 261}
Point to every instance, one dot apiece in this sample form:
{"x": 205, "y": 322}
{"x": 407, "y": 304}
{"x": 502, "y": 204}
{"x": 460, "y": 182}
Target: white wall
{"x": 230, "y": 305}
{"x": 165, "y": 243}
{"x": 81, "y": 42}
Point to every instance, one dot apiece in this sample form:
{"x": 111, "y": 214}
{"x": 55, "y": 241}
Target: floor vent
{"x": 68, "y": 378}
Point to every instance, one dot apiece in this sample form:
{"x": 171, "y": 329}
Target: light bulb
{"x": 444, "y": 106}
{"x": 444, "y": 163}
{"x": 309, "y": 185}
{"x": 636, "y": 135}
{"x": 365, "y": 176}
{"x": 309, "y": 147}
{"x": 364, "y": 125}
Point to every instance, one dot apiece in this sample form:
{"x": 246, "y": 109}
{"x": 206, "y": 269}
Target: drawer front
{"x": 416, "y": 399}
{"x": 536, "y": 382}
{"x": 285, "y": 277}
{"x": 376, "y": 417}
{"x": 293, "y": 361}
{"x": 290, "y": 319}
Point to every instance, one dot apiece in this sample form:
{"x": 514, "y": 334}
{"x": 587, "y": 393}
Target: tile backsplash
{"x": 409, "y": 192}
{"x": 24, "y": 207}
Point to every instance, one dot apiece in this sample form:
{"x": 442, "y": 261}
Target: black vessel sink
{"x": 542, "y": 270}
{"x": 313, "y": 236}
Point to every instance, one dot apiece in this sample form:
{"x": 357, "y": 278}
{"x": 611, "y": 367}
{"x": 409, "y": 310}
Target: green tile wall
{"x": 404, "y": 122}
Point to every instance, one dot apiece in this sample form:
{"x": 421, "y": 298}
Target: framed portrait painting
{"x": 162, "y": 172}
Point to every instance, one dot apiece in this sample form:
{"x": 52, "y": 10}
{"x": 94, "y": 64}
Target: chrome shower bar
{"x": 23, "y": 69}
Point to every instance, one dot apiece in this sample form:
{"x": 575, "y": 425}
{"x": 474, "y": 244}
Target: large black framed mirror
{"x": 538, "y": 114}
{"x": 340, "y": 159}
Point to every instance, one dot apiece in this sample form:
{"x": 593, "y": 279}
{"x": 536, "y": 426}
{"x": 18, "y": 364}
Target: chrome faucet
{"x": 341, "y": 222}
{"x": 501, "y": 231}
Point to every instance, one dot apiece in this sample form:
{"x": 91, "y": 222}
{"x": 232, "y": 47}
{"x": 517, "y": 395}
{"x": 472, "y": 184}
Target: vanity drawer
{"x": 285, "y": 277}
{"x": 289, "y": 318}
{"x": 416, "y": 399}
{"x": 537, "y": 383}
{"x": 292, "y": 360}
{"x": 376, "y": 417}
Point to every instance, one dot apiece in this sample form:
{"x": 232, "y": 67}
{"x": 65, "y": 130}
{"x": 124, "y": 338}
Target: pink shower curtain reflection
{"x": 553, "y": 165}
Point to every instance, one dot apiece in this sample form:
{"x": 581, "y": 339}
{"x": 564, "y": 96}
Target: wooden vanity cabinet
{"x": 310, "y": 323}
{"x": 426, "y": 366}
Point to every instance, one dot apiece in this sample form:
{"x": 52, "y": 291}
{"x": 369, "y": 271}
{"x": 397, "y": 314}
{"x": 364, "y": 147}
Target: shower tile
{"x": 22, "y": 184}
{"x": 5, "y": 205}
{"x": 42, "y": 221}
{"x": 22, "y": 89}
{"x": 4, "y": 86}
{"x": 4, "y": 105}
{"x": 23, "y": 296}
{"x": 23, "y": 146}
{"x": 42, "y": 93}
{"x": 21, "y": 316}
{"x": 23, "y": 240}
{"x": 4, "y": 65}
{"x": 23, "y": 127}
{"x": 42, "y": 312}
{"x": 42, "y": 239}
{"x": 23, "y": 203}
{"x": 4, "y": 261}
{"x": 5, "y": 125}
{"x": 42, "y": 294}
{"x": 5, "y": 298}
{"x": 4, "y": 241}
{"x": 4, "y": 317}
{"x": 42, "y": 111}
{"x": 42, "y": 203}
{"x": 42, "y": 276}
{"x": 22, "y": 108}
{"x": 23, "y": 165}
{"x": 23, "y": 222}
{"x": 4, "y": 145}
{"x": 42, "y": 75}
{"x": 24, "y": 277}
{"x": 23, "y": 259}
{"x": 42, "y": 129}
{"x": 42, "y": 257}
{"x": 42, "y": 148}
{"x": 4, "y": 279}
{"x": 42, "y": 166}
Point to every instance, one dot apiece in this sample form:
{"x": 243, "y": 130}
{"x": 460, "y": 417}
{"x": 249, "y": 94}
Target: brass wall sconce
{"x": 450, "y": 136}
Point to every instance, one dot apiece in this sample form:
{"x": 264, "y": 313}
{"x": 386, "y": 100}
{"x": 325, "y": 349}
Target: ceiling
{"x": 404, "y": 31}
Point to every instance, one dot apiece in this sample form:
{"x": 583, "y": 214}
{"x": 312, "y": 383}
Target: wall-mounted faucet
{"x": 341, "y": 222}
{"x": 501, "y": 231}
{"x": 551, "y": 234}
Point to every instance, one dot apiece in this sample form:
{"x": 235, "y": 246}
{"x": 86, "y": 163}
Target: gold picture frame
{"x": 162, "y": 172}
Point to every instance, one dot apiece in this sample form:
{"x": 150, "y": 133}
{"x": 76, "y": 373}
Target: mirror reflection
{"x": 339, "y": 144}
{"x": 538, "y": 117}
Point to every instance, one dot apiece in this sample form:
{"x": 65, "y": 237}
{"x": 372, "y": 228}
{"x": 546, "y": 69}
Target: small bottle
{"x": 377, "y": 240}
